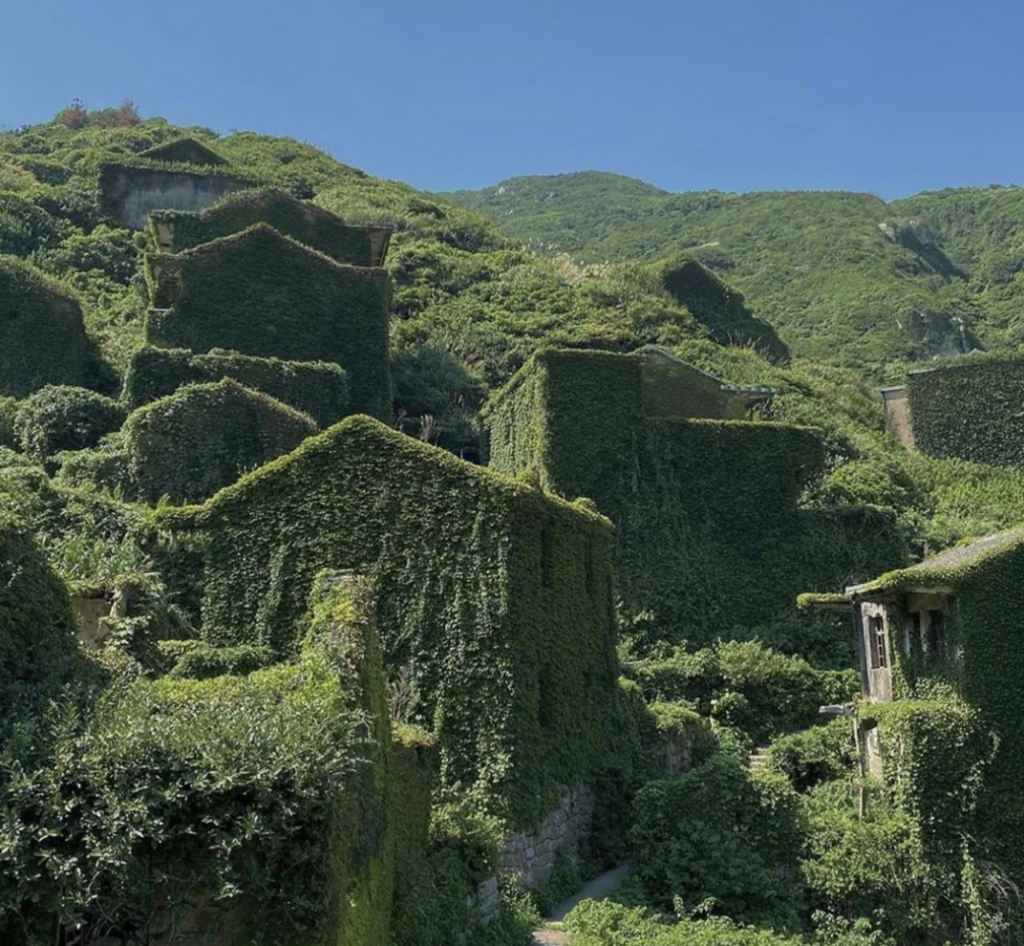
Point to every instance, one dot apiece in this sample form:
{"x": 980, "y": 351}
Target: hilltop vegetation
{"x": 842, "y": 277}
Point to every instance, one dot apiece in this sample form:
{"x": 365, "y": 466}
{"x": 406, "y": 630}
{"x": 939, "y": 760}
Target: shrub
{"x": 62, "y": 417}
{"x": 816, "y": 755}
{"x": 202, "y": 661}
{"x": 8, "y": 412}
{"x": 205, "y": 436}
{"x": 721, "y": 832}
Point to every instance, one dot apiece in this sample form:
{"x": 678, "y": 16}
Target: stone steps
{"x": 758, "y": 759}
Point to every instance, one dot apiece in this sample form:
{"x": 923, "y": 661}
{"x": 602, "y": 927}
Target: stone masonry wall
{"x": 531, "y": 855}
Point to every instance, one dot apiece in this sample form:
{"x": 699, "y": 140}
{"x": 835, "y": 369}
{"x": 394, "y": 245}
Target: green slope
{"x": 841, "y": 276}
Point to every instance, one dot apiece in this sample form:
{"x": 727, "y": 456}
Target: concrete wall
{"x": 897, "y": 415}
{"x": 130, "y": 193}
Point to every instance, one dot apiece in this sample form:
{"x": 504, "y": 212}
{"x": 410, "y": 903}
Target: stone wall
{"x": 530, "y": 855}
{"x": 129, "y": 193}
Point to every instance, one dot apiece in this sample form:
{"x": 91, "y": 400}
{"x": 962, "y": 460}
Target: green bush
{"x": 204, "y": 437}
{"x": 202, "y": 661}
{"x": 317, "y": 388}
{"x": 104, "y": 468}
{"x": 61, "y": 417}
{"x": 722, "y": 832}
{"x": 816, "y": 755}
{"x": 745, "y": 685}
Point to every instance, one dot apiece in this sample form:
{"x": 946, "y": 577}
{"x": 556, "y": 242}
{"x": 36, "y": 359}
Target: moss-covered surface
{"x": 306, "y": 223}
{"x": 205, "y": 436}
{"x": 42, "y": 333}
{"x": 261, "y": 293}
{"x": 185, "y": 151}
{"x": 709, "y": 535}
{"x": 970, "y": 408}
{"x": 492, "y": 595}
{"x": 317, "y": 388}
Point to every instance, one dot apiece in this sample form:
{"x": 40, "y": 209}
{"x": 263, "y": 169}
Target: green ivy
{"x": 491, "y": 594}
{"x": 61, "y": 417}
{"x": 317, "y": 388}
{"x": 42, "y": 334}
{"x": 203, "y": 437}
{"x": 970, "y": 408}
{"x": 263, "y": 294}
{"x": 303, "y": 222}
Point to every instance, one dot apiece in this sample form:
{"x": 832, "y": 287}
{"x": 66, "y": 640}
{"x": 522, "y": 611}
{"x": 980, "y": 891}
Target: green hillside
{"x": 841, "y": 276}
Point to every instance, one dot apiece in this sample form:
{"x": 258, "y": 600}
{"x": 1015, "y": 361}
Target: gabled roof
{"x": 185, "y": 150}
{"x": 944, "y": 571}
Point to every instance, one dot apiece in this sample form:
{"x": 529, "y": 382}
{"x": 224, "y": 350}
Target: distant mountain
{"x": 841, "y": 276}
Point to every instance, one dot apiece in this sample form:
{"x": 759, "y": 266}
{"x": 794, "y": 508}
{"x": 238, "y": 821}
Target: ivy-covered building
{"x": 260, "y": 293}
{"x": 936, "y": 635}
{"x": 968, "y": 407}
{"x": 359, "y": 245}
{"x": 709, "y": 534}
{"x": 494, "y": 598}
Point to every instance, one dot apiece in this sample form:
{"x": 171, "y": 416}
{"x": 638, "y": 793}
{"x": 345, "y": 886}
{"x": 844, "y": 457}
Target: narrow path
{"x": 592, "y": 890}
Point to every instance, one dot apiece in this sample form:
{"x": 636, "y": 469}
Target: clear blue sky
{"x": 886, "y": 96}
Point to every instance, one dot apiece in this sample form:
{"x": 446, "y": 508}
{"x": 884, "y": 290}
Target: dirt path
{"x": 594, "y": 889}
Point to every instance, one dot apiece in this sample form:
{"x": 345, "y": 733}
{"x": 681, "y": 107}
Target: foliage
{"x": 200, "y": 661}
{"x": 709, "y": 534}
{"x": 303, "y": 222}
{"x": 490, "y": 593}
{"x": 38, "y": 650}
{"x": 744, "y": 685}
{"x": 814, "y": 756}
{"x": 203, "y": 437}
{"x": 720, "y": 832}
{"x": 61, "y": 417}
{"x": 970, "y": 408}
{"x": 317, "y": 388}
{"x": 263, "y": 294}
{"x": 605, "y": 923}
{"x": 42, "y": 336}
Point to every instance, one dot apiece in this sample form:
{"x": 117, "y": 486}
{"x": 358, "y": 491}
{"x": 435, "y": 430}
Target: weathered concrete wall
{"x": 130, "y": 193}
{"x": 897, "y": 415}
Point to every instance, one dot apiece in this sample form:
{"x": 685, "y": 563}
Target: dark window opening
{"x": 936, "y": 634}
{"x": 876, "y": 642}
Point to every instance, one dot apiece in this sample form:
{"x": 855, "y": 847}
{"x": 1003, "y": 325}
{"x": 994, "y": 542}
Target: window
{"x": 936, "y": 629}
{"x": 876, "y": 642}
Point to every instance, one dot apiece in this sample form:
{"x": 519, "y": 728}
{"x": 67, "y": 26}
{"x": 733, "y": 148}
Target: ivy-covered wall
{"x": 708, "y": 532}
{"x": 42, "y": 334}
{"x": 971, "y": 409}
{"x": 205, "y": 436}
{"x": 982, "y": 666}
{"x": 261, "y": 293}
{"x": 274, "y": 807}
{"x": 174, "y": 231}
{"x": 185, "y": 151}
{"x": 492, "y": 595}
{"x": 317, "y": 388}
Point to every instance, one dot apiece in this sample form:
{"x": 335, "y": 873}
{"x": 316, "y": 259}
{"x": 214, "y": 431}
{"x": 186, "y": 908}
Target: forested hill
{"x": 840, "y": 275}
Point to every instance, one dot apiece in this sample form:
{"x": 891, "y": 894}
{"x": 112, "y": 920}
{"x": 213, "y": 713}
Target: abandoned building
{"x": 948, "y": 628}
{"x": 966, "y": 408}
{"x": 259, "y": 293}
{"x": 709, "y": 532}
{"x": 357, "y": 244}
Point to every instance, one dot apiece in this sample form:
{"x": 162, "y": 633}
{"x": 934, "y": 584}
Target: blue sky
{"x": 887, "y": 97}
